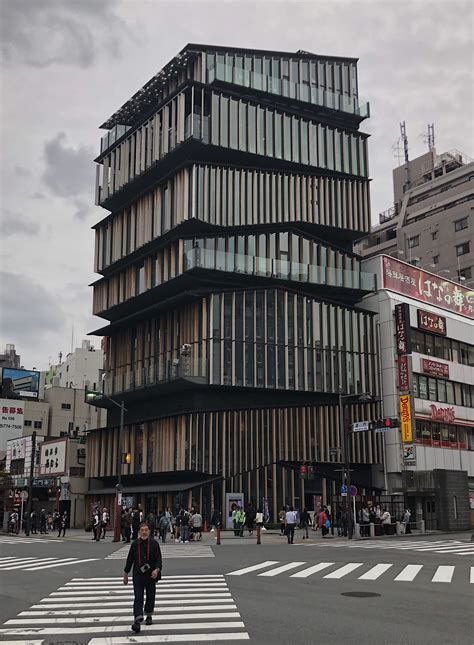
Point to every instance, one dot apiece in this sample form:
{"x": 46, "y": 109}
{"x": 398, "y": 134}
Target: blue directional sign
{"x": 344, "y": 490}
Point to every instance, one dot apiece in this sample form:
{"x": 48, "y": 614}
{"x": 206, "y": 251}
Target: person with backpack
{"x": 164, "y": 526}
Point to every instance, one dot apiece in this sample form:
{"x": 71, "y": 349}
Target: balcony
{"x": 283, "y": 87}
{"x": 197, "y": 258}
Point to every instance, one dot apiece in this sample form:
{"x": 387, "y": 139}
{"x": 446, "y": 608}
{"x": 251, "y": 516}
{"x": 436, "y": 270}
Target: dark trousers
{"x": 63, "y": 530}
{"x": 140, "y": 584}
{"x": 290, "y": 532}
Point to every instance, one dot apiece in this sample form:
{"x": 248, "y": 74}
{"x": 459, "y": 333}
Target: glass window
{"x": 287, "y": 137}
{"x": 466, "y": 395}
{"x": 432, "y": 390}
{"x": 442, "y": 391}
{"x": 278, "y": 135}
{"x": 140, "y": 279}
{"x": 423, "y": 387}
{"x": 243, "y": 126}
{"x": 337, "y": 150}
{"x": 215, "y": 120}
{"x": 269, "y": 133}
{"x": 354, "y": 165}
{"x": 330, "y": 148}
{"x": 233, "y": 123}
{"x": 449, "y": 392}
{"x": 418, "y": 341}
{"x": 463, "y": 249}
{"x": 436, "y": 434}
{"x": 252, "y": 128}
{"x": 415, "y": 388}
{"x": 304, "y": 142}
{"x": 261, "y": 131}
{"x": 224, "y": 122}
{"x": 429, "y": 344}
{"x": 321, "y": 146}
{"x": 295, "y": 139}
{"x": 461, "y": 224}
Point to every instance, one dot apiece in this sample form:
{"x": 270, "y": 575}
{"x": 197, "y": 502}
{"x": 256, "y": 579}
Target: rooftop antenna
{"x": 431, "y": 137}
{"x": 403, "y": 132}
{"x": 397, "y": 151}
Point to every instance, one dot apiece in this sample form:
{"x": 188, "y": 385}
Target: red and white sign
{"x": 53, "y": 457}
{"x": 402, "y": 328}
{"x": 418, "y": 284}
{"x": 431, "y": 322}
{"x": 434, "y": 368}
{"x": 446, "y": 415}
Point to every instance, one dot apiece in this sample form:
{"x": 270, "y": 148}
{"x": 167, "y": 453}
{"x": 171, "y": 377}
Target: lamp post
{"x": 92, "y": 397}
{"x": 344, "y": 401}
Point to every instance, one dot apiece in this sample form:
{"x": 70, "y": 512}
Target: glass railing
{"x": 283, "y": 87}
{"x": 112, "y": 136}
{"x": 281, "y": 269}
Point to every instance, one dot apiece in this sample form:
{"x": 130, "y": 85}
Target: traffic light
{"x": 385, "y": 424}
{"x": 303, "y": 472}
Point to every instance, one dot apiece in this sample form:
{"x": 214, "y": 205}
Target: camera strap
{"x": 147, "y": 552}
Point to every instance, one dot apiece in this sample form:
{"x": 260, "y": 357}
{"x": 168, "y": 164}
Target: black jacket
{"x": 149, "y": 554}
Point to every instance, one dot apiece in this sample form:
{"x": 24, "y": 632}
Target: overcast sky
{"x": 67, "y": 65}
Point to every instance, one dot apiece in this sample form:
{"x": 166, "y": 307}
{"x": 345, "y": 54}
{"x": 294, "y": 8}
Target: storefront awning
{"x": 154, "y": 488}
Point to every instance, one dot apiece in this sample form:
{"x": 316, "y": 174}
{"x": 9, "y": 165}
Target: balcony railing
{"x": 283, "y": 87}
{"x": 196, "y": 258}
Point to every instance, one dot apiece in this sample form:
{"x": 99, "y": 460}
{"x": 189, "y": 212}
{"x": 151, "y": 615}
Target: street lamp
{"x": 92, "y": 397}
{"x": 344, "y": 401}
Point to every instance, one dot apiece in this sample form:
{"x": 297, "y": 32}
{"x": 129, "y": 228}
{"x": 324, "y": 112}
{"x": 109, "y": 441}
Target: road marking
{"x": 409, "y": 573}
{"x": 255, "y": 567}
{"x": 375, "y": 572}
{"x": 284, "y": 567}
{"x": 343, "y": 571}
{"x": 172, "y": 638}
{"x": 119, "y": 610}
{"x": 28, "y": 564}
{"x": 472, "y": 575}
{"x": 62, "y": 564}
{"x": 28, "y": 642}
{"x": 310, "y": 570}
{"x": 443, "y": 574}
{"x": 183, "y": 601}
{"x": 14, "y": 561}
{"x": 118, "y": 628}
{"x": 118, "y": 619}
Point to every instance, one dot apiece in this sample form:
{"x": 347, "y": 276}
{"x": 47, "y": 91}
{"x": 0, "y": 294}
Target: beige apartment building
{"x": 431, "y": 222}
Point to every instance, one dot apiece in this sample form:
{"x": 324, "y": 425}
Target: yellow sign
{"x": 406, "y": 425}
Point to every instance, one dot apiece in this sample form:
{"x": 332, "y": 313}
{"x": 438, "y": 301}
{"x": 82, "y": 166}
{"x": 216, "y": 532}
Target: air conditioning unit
{"x": 81, "y": 452}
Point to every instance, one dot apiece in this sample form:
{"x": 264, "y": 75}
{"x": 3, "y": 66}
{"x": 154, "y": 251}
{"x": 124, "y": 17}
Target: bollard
{"x": 357, "y": 531}
{"x": 422, "y": 526}
{"x": 372, "y": 529}
{"x": 258, "y": 534}
{"x": 218, "y": 534}
{"x": 398, "y": 528}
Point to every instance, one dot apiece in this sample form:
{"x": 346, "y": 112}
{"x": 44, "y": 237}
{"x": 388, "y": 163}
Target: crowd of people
{"x": 46, "y": 522}
{"x": 246, "y": 518}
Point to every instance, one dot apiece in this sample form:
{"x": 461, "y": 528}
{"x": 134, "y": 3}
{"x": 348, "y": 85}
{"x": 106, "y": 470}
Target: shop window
{"x": 445, "y": 442}
{"x": 432, "y": 390}
{"x": 435, "y": 434}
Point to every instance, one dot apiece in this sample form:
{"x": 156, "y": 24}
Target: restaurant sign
{"x": 445, "y": 415}
{"x": 412, "y": 282}
{"x": 402, "y": 328}
{"x": 431, "y": 322}
{"x": 404, "y": 373}
{"x": 406, "y": 420}
{"x": 434, "y": 368}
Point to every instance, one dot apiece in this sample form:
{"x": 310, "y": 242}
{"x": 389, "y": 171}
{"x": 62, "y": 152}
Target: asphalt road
{"x": 271, "y": 593}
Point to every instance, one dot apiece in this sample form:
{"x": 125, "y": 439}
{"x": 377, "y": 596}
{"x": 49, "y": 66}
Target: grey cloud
{"x": 21, "y": 171}
{"x": 17, "y": 224}
{"x": 69, "y": 171}
{"x": 29, "y": 311}
{"x": 83, "y": 209}
{"x": 39, "y": 33}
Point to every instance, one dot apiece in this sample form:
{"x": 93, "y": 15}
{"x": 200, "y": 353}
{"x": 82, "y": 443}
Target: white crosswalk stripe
{"x": 179, "y": 617}
{"x": 170, "y": 551}
{"x": 7, "y": 539}
{"x": 38, "y": 564}
{"x": 373, "y": 572}
{"x": 454, "y": 547}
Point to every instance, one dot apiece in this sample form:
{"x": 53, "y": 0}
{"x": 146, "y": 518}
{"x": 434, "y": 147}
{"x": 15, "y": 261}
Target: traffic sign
{"x": 24, "y": 495}
{"x": 360, "y": 426}
{"x": 343, "y": 490}
{"x": 352, "y": 490}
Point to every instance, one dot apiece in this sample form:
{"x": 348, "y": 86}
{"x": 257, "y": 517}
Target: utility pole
{"x": 30, "y": 486}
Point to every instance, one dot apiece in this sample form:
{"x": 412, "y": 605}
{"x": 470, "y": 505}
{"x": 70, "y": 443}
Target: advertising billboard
{"x": 18, "y": 384}
{"x": 418, "y": 284}
{"x": 53, "y": 457}
{"x": 406, "y": 420}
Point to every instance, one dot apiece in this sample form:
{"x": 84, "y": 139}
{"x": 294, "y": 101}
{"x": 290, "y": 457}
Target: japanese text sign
{"x": 434, "y": 368}
{"x": 431, "y": 322}
{"x": 402, "y": 328}
{"x": 403, "y": 374}
{"x": 406, "y": 421}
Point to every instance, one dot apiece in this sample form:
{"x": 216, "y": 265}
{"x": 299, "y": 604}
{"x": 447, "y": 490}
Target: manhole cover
{"x": 360, "y": 594}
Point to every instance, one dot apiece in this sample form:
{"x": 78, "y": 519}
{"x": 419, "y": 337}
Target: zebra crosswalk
{"x": 98, "y": 611}
{"x": 14, "y": 563}
{"x": 7, "y": 539}
{"x": 171, "y": 550}
{"x": 337, "y": 571}
{"x": 448, "y": 547}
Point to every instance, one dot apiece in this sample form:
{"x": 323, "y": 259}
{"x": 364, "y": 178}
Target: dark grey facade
{"x": 236, "y": 183}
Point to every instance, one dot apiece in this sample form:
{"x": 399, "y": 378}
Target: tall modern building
{"x": 235, "y": 183}
{"x": 430, "y": 224}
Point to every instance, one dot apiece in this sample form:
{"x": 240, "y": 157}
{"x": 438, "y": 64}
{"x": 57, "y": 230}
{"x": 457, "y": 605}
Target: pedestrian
{"x": 196, "y": 524}
{"x": 14, "y": 522}
{"x": 386, "y": 522}
{"x": 216, "y": 519}
{"x": 184, "y": 526}
{"x": 305, "y": 520}
{"x": 242, "y": 521}
{"x": 235, "y": 516}
{"x": 406, "y": 521}
{"x": 324, "y": 522}
{"x": 50, "y": 522}
{"x": 104, "y": 522}
{"x": 259, "y": 518}
{"x": 43, "y": 521}
{"x": 164, "y": 525}
{"x": 145, "y": 558}
{"x": 56, "y": 520}
{"x": 365, "y": 521}
{"x": 152, "y": 523}
{"x": 128, "y": 525}
{"x": 290, "y": 524}
{"x": 96, "y": 525}
{"x": 250, "y": 518}
{"x": 62, "y": 524}
{"x": 281, "y": 517}
{"x": 33, "y": 522}
{"x": 135, "y": 523}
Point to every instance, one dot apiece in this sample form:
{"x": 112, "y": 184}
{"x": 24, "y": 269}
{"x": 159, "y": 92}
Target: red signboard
{"x": 403, "y": 374}
{"x": 447, "y": 415}
{"x": 402, "y": 328}
{"x": 418, "y": 284}
{"x": 431, "y": 322}
{"x": 434, "y": 368}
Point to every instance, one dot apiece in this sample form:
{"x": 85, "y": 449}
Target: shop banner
{"x": 406, "y": 419}
{"x": 434, "y": 368}
{"x": 403, "y": 329}
{"x": 410, "y": 281}
{"x": 432, "y": 323}
{"x": 409, "y": 454}
{"x": 404, "y": 370}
